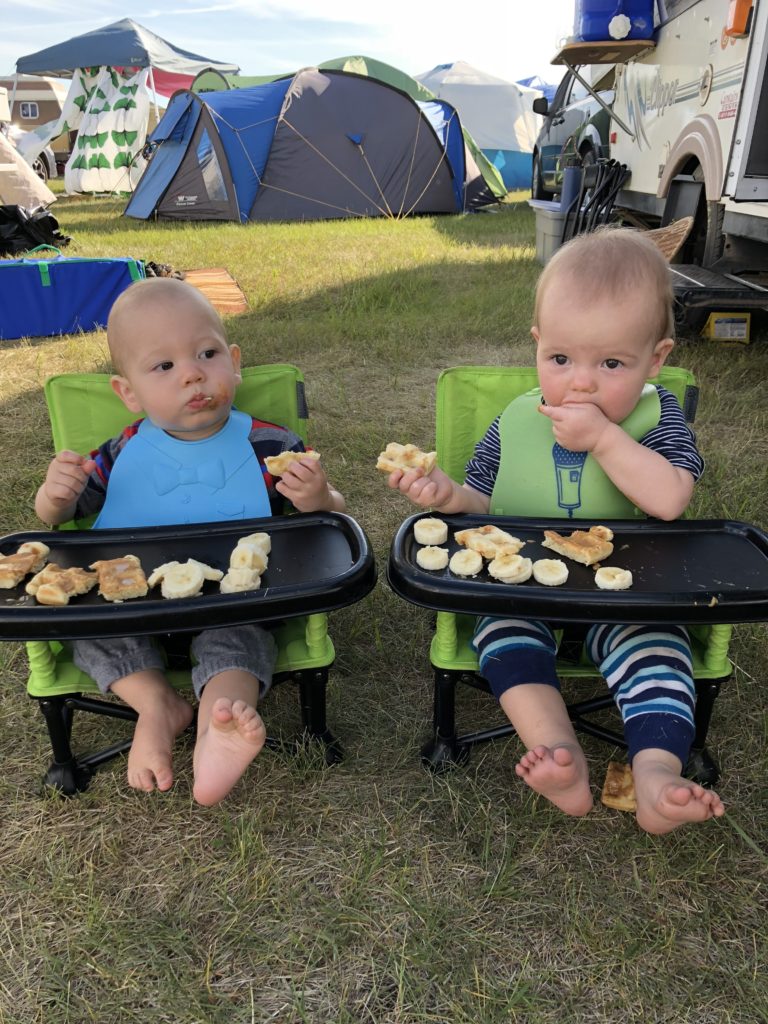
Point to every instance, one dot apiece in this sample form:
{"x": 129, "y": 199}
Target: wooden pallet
{"x": 220, "y": 288}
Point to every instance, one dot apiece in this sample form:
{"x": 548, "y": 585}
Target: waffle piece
{"x": 54, "y": 585}
{"x": 405, "y": 457}
{"x": 488, "y": 540}
{"x": 29, "y": 557}
{"x": 277, "y": 464}
{"x": 618, "y": 788}
{"x": 585, "y": 546}
{"x": 120, "y": 579}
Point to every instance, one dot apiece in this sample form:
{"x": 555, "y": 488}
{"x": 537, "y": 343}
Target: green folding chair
{"x": 468, "y": 400}
{"x": 84, "y": 411}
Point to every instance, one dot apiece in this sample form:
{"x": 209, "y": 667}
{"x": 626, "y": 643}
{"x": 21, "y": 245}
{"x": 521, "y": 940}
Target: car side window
{"x": 578, "y": 92}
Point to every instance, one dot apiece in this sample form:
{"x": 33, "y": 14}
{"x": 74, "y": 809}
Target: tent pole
{"x": 154, "y": 93}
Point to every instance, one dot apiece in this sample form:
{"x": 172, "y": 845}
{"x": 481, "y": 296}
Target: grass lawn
{"x": 375, "y": 891}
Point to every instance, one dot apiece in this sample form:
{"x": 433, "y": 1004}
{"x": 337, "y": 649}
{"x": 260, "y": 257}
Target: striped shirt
{"x": 672, "y": 438}
{"x": 266, "y": 439}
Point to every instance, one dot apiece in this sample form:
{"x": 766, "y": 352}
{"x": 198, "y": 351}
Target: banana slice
{"x": 509, "y": 567}
{"x": 157, "y": 574}
{"x": 258, "y": 540}
{"x": 432, "y": 558}
{"x": 430, "y": 531}
{"x": 209, "y": 573}
{"x": 248, "y": 556}
{"x": 466, "y": 563}
{"x": 240, "y": 579}
{"x": 185, "y": 579}
{"x": 609, "y": 577}
{"x": 550, "y": 572}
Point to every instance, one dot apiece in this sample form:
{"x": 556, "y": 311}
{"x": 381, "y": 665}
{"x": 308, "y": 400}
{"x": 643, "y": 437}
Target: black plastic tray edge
{"x": 416, "y": 589}
{"x": 35, "y": 622}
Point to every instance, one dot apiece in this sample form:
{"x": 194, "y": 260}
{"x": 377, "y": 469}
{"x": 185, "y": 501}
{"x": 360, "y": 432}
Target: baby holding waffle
{"x": 593, "y": 441}
{"x": 173, "y": 364}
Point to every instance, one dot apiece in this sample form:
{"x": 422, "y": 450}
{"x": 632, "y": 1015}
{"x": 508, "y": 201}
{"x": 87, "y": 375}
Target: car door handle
{"x": 557, "y": 120}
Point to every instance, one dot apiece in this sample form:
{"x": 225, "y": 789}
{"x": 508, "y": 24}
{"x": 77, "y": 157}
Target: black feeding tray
{"x": 687, "y": 572}
{"x": 319, "y": 561}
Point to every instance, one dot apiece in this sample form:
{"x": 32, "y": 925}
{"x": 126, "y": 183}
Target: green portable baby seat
{"x": 84, "y": 411}
{"x": 468, "y": 400}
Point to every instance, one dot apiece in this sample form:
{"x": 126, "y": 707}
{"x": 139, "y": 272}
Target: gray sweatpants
{"x": 247, "y": 647}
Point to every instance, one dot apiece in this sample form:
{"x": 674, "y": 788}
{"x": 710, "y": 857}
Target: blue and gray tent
{"x": 318, "y": 145}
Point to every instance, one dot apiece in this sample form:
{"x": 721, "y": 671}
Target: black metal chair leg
{"x": 312, "y": 696}
{"x": 65, "y": 774}
{"x": 443, "y": 751}
{"x": 701, "y": 766}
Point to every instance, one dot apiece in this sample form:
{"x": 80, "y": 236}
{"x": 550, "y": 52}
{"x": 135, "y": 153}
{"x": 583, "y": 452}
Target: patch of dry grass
{"x": 374, "y": 891}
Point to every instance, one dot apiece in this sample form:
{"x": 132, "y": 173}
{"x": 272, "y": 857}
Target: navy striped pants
{"x": 647, "y": 668}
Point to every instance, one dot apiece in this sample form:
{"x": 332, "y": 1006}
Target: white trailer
{"x": 690, "y": 122}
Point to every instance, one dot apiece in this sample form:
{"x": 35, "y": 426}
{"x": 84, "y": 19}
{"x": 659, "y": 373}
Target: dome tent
{"x": 498, "y": 114}
{"x": 317, "y": 145}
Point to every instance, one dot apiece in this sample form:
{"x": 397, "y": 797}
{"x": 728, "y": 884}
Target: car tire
{"x": 40, "y": 168}
{"x": 537, "y": 187}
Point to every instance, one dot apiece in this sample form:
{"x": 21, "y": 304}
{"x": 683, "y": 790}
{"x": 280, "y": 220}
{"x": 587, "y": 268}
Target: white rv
{"x": 691, "y": 125}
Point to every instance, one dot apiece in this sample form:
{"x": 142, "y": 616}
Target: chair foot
{"x": 702, "y": 768}
{"x": 67, "y": 779}
{"x": 332, "y": 749}
{"x": 441, "y": 753}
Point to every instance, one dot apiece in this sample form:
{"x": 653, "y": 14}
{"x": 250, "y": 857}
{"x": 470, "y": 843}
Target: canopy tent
{"x": 498, "y": 114}
{"x": 381, "y": 72}
{"x": 123, "y": 44}
{"x": 111, "y": 69}
{"x": 537, "y": 82}
{"x": 319, "y": 145}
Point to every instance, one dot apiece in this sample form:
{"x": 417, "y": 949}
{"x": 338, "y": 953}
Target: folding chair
{"x": 84, "y": 411}
{"x": 592, "y": 206}
{"x": 468, "y": 399}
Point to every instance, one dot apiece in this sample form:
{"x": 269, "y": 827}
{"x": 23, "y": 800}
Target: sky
{"x": 500, "y": 37}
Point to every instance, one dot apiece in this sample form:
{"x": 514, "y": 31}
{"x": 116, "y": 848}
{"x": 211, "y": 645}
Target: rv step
{"x": 698, "y": 288}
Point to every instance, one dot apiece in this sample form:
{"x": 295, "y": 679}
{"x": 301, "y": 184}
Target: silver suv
{"x": 575, "y": 125}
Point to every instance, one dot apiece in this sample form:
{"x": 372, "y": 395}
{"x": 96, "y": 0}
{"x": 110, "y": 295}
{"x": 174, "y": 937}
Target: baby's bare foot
{"x": 665, "y": 800}
{"x": 234, "y": 737}
{"x": 559, "y": 774}
{"x": 149, "y": 759}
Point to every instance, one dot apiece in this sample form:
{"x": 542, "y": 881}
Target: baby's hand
{"x": 577, "y": 426}
{"x": 430, "y": 491}
{"x": 305, "y": 485}
{"x": 66, "y": 478}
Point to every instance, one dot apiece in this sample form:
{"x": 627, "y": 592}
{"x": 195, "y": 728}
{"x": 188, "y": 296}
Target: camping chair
{"x": 593, "y": 205}
{"x": 468, "y": 399}
{"x": 84, "y": 411}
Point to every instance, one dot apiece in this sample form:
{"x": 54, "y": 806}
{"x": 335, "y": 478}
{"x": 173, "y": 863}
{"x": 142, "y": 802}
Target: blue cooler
{"x": 61, "y": 295}
{"x": 594, "y": 17}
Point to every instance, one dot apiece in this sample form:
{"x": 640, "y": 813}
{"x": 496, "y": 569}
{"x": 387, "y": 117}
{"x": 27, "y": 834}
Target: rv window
{"x": 29, "y": 111}
{"x": 669, "y": 9}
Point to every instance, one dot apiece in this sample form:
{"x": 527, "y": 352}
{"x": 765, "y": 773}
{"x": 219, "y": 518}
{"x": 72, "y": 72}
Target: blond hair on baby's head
{"x": 612, "y": 263}
{"x": 141, "y": 300}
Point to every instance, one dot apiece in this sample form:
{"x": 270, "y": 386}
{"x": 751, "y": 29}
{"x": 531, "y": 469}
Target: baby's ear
{"x": 124, "y": 392}
{"x": 660, "y": 353}
{"x": 234, "y": 351}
